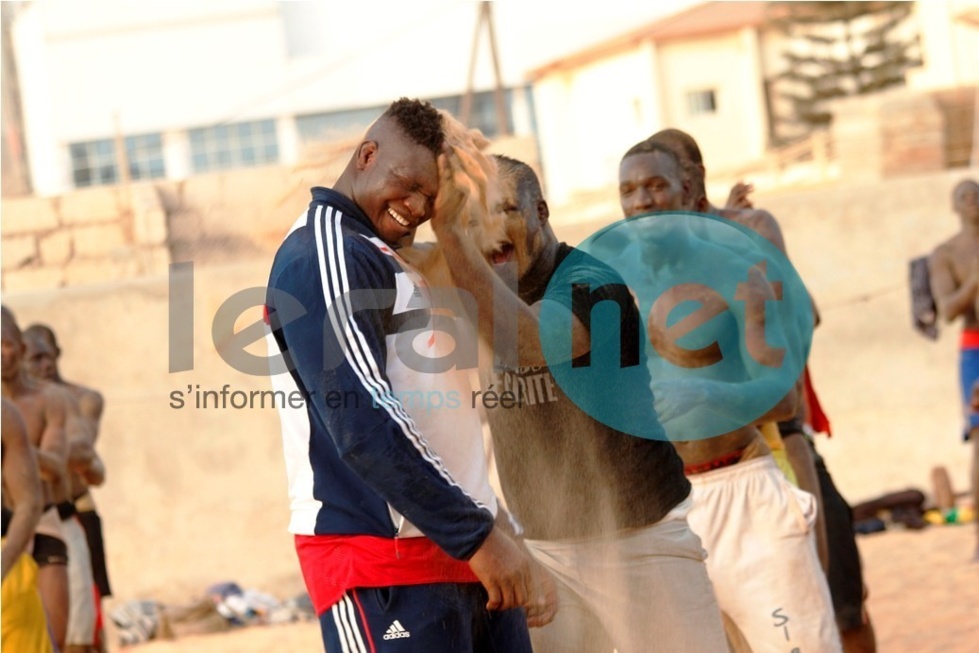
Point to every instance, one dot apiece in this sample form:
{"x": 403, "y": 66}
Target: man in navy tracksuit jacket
{"x": 393, "y": 516}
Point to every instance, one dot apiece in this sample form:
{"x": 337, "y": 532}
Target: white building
{"x": 194, "y": 87}
{"x": 950, "y": 40}
{"x": 707, "y": 70}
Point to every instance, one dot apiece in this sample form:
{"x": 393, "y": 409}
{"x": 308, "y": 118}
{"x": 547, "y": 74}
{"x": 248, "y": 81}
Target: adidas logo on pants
{"x": 396, "y": 631}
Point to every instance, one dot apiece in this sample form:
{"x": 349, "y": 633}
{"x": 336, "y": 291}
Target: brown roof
{"x": 969, "y": 16}
{"x": 700, "y": 20}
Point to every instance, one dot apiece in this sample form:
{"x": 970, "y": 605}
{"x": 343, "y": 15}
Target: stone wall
{"x": 88, "y": 236}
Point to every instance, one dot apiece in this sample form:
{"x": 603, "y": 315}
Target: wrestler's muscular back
{"x": 961, "y": 254}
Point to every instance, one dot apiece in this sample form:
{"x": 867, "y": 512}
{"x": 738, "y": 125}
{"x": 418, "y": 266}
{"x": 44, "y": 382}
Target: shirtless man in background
{"x": 954, "y": 283}
{"x": 82, "y": 419}
{"x": 797, "y": 458}
{"x": 765, "y": 535}
{"x": 834, "y": 524}
{"x": 43, "y": 408}
{"x": 90, "y": 401}
{"x": 84, "y": 469}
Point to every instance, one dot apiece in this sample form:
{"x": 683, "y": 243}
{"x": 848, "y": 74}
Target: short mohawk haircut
{"x": 420, "y": 121}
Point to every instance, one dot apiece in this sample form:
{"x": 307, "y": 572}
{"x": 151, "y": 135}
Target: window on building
{"x": 702, "y": 101}
{"x": 93, "y": 163}
{"x": 232, "y": 146}
{"x": 336, "y": 125}
{"x": 145, "y": 156}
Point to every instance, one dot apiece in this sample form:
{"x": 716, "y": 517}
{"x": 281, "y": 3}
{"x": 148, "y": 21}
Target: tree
{"x": 838, "y": 49}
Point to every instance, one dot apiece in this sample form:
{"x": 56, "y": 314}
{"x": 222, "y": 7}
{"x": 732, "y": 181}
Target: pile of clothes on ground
{"x": 910, "y": 509}
{"x": 226, "y": 605}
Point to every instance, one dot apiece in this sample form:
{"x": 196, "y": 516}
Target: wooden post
{"x": 485, "y": 15}
{"x": 501, "y": 119}
{"x": 122, "y": 159}
{"x": 467, "y": 100}
{"x": 125, "y": 179}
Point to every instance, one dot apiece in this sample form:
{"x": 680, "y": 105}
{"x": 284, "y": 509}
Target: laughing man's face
{"x": 396, "y": 187}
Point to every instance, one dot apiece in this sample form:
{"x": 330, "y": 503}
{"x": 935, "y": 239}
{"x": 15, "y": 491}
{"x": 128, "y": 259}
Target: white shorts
{"x": 81, "y": 585}
{"x": 50, "y": 524}
{"x": 761, "y": 557}
{"x": 644, "y": 590}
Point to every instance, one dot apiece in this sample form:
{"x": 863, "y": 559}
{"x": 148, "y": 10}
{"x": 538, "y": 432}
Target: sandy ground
{"x": 924, "y": 591}
{"x": 924, "y": 598}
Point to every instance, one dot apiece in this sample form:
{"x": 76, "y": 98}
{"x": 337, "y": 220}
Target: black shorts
{"x": 845, "y": 574}
{"x": 65, "y": 510}
{"x": 7, "y": 516}
{"x": 49, "y": 550}
{"x": 791, "y": 426}
{"x": 92, "y": 524}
